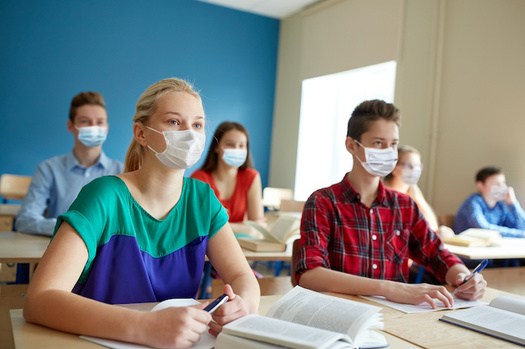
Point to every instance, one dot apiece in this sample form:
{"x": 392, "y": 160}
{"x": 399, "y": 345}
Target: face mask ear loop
{"x": 153, "y": 150}
{"x": 361, "y": 161}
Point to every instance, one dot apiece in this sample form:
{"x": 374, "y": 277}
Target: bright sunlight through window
{"x": 326, "y": 105}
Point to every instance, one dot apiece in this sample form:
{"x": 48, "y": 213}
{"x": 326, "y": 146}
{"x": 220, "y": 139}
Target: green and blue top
{"x": 134, "y": 257}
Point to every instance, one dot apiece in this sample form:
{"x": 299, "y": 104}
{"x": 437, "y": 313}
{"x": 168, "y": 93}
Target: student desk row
{"x": 401, "y": 330}
{"x": 510, "y": 248}
{"x": 26, "y": 248}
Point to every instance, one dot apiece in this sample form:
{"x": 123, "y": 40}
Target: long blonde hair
{"x": 146, "y": 106}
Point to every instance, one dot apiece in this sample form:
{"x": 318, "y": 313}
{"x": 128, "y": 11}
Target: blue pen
{"x": 478, "y": 269}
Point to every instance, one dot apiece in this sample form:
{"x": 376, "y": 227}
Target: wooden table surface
{"x": 401, "y": 330}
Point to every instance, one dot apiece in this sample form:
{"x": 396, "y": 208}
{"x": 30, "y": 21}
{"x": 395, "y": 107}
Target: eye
{"x": 173, "y": 122}
{"x": 198, "y": 125}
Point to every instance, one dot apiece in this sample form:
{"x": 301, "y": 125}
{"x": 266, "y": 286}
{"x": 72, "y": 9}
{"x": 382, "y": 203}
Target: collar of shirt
{"x": 72, "y": 162}
{"x": 353, "y": 196}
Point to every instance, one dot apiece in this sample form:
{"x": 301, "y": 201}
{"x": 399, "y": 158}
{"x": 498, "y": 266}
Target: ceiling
{"x": 271, "y": 8}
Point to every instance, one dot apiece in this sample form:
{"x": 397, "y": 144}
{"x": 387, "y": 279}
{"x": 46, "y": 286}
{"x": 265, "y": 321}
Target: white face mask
{"x": 92, "y": 136}
{"x": 235, "y": 157}
{"x": 379, "y": 162}
{"x": 183, "y": 148}
{"x": 411, "y": 176}
{"x": 499, "y": 192}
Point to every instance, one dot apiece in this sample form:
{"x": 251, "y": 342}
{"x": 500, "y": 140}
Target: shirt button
{"x": 374, "y": 266}
{"x": 398, "y": 232}
{"x": 371, "y": 211}
{"x": 374, "y": 237}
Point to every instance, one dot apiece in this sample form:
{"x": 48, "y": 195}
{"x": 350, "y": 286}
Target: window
{"x": 326, "y": 104}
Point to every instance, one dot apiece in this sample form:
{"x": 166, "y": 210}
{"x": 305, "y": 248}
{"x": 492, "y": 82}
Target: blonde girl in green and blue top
{"x": 142, "y": 236}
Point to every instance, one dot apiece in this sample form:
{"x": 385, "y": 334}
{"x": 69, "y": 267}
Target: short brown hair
{"x": 85, "y": 98}
{"x": 369, "y": 111}
{"x": 487, "y": 172}
{"x": 210, "y": 164}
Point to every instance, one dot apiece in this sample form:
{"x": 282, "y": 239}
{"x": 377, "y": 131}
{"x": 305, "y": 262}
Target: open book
{"x": 503, "y": 318}
{"x": 475, "y": 237}
{"x": 275, "y": 238}
{"x": 307, "y": 319}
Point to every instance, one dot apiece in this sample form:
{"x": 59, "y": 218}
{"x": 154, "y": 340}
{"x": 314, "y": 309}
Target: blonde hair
{"x": 146, "y": 106}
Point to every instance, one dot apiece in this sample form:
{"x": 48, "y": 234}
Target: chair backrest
{"x": 447, "y": 220}
{"x": 295, "y": 248}
{"x": 14, "y": 187}
{"x": 291, "y": 206}
{"x": 272, "y": 197}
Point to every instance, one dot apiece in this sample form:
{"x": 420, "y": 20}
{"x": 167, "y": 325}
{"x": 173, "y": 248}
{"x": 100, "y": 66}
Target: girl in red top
{"x": 229, "y": 170}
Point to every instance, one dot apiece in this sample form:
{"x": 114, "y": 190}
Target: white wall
{"x": 460, "y": 82}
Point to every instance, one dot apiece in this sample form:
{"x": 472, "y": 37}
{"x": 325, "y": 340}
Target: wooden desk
{"x": 29, "y": 336}
{"x": 510, "y": 248}
{"x": 7, "y": 216}
{"x": 402, "y": 330}
{"x": 22, "y": 248}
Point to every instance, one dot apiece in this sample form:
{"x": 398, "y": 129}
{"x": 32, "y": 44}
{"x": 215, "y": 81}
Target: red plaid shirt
{"x": 338, "y": 232}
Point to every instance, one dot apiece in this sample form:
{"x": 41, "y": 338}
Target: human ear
{"x": 480, "y": 186}
{"x": 138, "y": 133}
{"x": 350, "y": 145}
{"x": 71, "y": 127}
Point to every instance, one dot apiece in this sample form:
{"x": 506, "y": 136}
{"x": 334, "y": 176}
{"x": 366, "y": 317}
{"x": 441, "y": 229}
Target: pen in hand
{"x": 476, "y": 270}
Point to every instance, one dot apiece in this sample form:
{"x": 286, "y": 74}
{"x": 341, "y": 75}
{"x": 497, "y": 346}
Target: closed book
{"x": 261, "y": 245}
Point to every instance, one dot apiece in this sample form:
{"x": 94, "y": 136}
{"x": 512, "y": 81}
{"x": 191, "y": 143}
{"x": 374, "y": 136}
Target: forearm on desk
{"x": 325, "y": 280}
{"x": 68, "y": 312}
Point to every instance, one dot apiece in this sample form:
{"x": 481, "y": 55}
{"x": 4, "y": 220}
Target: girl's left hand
{"x": 235, "y": 308}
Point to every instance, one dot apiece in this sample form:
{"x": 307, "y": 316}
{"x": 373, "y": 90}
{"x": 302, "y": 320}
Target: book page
{"x": 281, "y": 230}
{"x": 327, "y": 312}
{"x": 265, "y": 232}
{"x": 284, "y": 228}
{"x": 423, "y": 307}
{"x": 276, "y": 331}
{"x": 515, "y": 305}
{"x": 229, "y": 341}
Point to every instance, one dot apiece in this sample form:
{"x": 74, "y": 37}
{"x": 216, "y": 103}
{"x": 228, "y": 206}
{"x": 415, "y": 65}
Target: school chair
{"x": 288, "y": 205}
{"x": 13, "y": 187}
{"x": 295, "y": 249}
{"x": 271, "y": 197}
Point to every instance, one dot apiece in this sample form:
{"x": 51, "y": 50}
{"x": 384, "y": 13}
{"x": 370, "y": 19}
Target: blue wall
{"x": 52, "y": 50}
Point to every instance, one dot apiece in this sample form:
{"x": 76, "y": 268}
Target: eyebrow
{"x": 384, "y": 139}
{"x": 179, "y": 114}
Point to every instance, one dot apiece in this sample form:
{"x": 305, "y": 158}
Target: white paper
{"x": 207, "y": 341}
{"x": 423, "y": 307}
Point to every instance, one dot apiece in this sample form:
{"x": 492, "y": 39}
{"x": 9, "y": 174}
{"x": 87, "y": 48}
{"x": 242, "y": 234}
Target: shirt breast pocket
{"x": 397, "y": 245}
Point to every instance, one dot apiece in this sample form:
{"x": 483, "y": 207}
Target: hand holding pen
{"x": 476, "y": 270}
